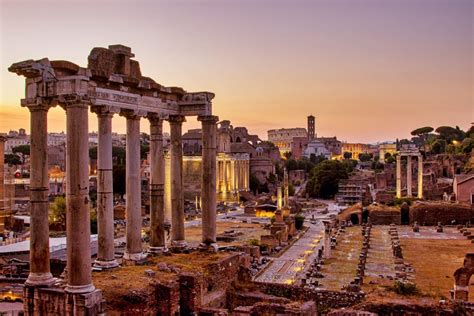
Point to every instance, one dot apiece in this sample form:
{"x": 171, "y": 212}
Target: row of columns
{"x": 409, "y": 176}
{"x": 79, "y": 277}
{"x": 232, "y": 175}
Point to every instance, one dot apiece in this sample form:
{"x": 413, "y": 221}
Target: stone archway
{"x": 462, "y": 277}
{"x": 354, "y": 218}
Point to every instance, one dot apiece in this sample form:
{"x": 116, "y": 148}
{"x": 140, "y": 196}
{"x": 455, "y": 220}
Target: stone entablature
{"x": 111, "y": 79}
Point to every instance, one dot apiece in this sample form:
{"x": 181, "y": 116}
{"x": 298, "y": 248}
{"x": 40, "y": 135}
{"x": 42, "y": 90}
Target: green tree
{"x": 119, "y": 155}
{"x": 449, "y": 133}
{"x": 57, "y": 212}
{"x": 438, "y": 146}
{"x": 325, "y": 177}
{"x": 144, "y": 150}
{"x": 365, "y": 157}
{"x": 93, "y": 152}
{"x": 291, "y": 164}
{"x": 12, "y": 159}
{"x": 422, "y": 133}
{"x": 288, "y": 154}
{"x": 23, "y": 151}
{"x": 119, "y": 177}
{"x": 347, "y": 155}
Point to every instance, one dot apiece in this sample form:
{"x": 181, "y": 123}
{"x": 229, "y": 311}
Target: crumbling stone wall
{"x": 323, "y": 298}
{"x": 430, "y": 213}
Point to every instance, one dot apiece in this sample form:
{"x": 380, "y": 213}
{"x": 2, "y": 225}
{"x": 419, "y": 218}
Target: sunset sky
{"x": 369, "y": 70}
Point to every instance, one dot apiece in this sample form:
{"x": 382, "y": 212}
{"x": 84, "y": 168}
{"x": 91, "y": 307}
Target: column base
{"x": 178, "y": 245}
{"x": 212, "y": 247}
{"x": 134, "y": 258}
{"x": 158, "y": 250}
{"x": 105, "y": 264}
{"x": 79, "y": 289}
{"x": 40, "y": 279}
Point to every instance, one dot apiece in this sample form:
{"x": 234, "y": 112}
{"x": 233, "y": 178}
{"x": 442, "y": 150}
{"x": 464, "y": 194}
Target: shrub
{"x": 405, "y": 288}
{"x": 299, "y": 220}
{"x": 254, "y": 242}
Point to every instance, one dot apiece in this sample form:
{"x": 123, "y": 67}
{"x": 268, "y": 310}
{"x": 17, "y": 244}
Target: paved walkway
{"x": 380, "y": 261}
{"x": 290, "y": 266}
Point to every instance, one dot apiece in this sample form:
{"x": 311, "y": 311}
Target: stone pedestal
{"x": 134, "y": 250}
{"x": 177, "y": 197}
{"x": 39, "y": 188}
{"x": 105, "y": 198}
{"x": 157, "y": 180}
{"x": 79, "y": 278}
{"x": 55, "y": 301}
{"x": 208, "y": 183}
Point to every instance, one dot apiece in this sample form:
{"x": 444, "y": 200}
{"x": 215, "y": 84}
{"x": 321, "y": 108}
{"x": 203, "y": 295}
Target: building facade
{"x": 283, "y": 137}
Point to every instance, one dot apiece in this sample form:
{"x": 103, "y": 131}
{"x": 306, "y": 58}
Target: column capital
{"x": 132, "y": 114}
{"x": 176, "y": 119}
{"x": 38, "y": 103}
{"x": 104, "y": 110}
{"x": 212, "y": 119}
{"x": 74, "y": 100}
{"x": 155, "y": 117}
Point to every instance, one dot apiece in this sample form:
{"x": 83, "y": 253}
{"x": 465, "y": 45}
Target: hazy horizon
{"x": 368, "y": 70}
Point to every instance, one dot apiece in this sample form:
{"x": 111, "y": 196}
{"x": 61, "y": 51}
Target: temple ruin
{"x": 111, "y": 84}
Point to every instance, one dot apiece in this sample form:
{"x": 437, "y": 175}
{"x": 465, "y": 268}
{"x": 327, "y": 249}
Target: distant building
{"x": 316, "y": 148}
{"x": 298, "y": 147}
{"x": 463, "y": 188}
{"x": 355, "y": 149}
{"x": 311, "y": 128}
{"x": 332, "y": 144}
{"x": 390, "y": 148}
{"x": 16, "y": 138}
{"x": 283, "y": 137}
{"x": 56, "y": 139}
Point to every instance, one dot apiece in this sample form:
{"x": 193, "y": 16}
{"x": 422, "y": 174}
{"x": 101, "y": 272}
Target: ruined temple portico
{"x": 409, "y": 153}
{"x": 111, "y": 83}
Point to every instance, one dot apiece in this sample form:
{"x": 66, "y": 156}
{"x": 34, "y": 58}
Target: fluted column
{"x": 157, "y": 181}
{"x": 39, "y": 186}
{"x": 399, "y": 177}
{"x": 134, "y": 250}
{"x": 409, "y": 176}
{"x": 208, "y": 184}
{"x": 420, "y": 176}
{"x": 177, "y": 197}
{"x": 105, "y": 199}
{"x": 79, "y": 276}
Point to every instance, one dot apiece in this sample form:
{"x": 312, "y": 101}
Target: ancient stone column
{"x": 409, "y": 176}
{"x": 420, "y": 176}
{"x": 79, "y": 276}
{"x": 208, "y": 184}
{"x": 39, "y": 187}
{"x": 232, "y": 175}
{"x": 279, "y": 198}
{"x": 399, "y": 177}
{"x": 224, "y": 176}
{"x": 286, "y": 188}
{"x": 105, "y": 199}
{"x": 157, "y": 181}
{"x": 177, "y": 197}
{"x": 134, "y": 251}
